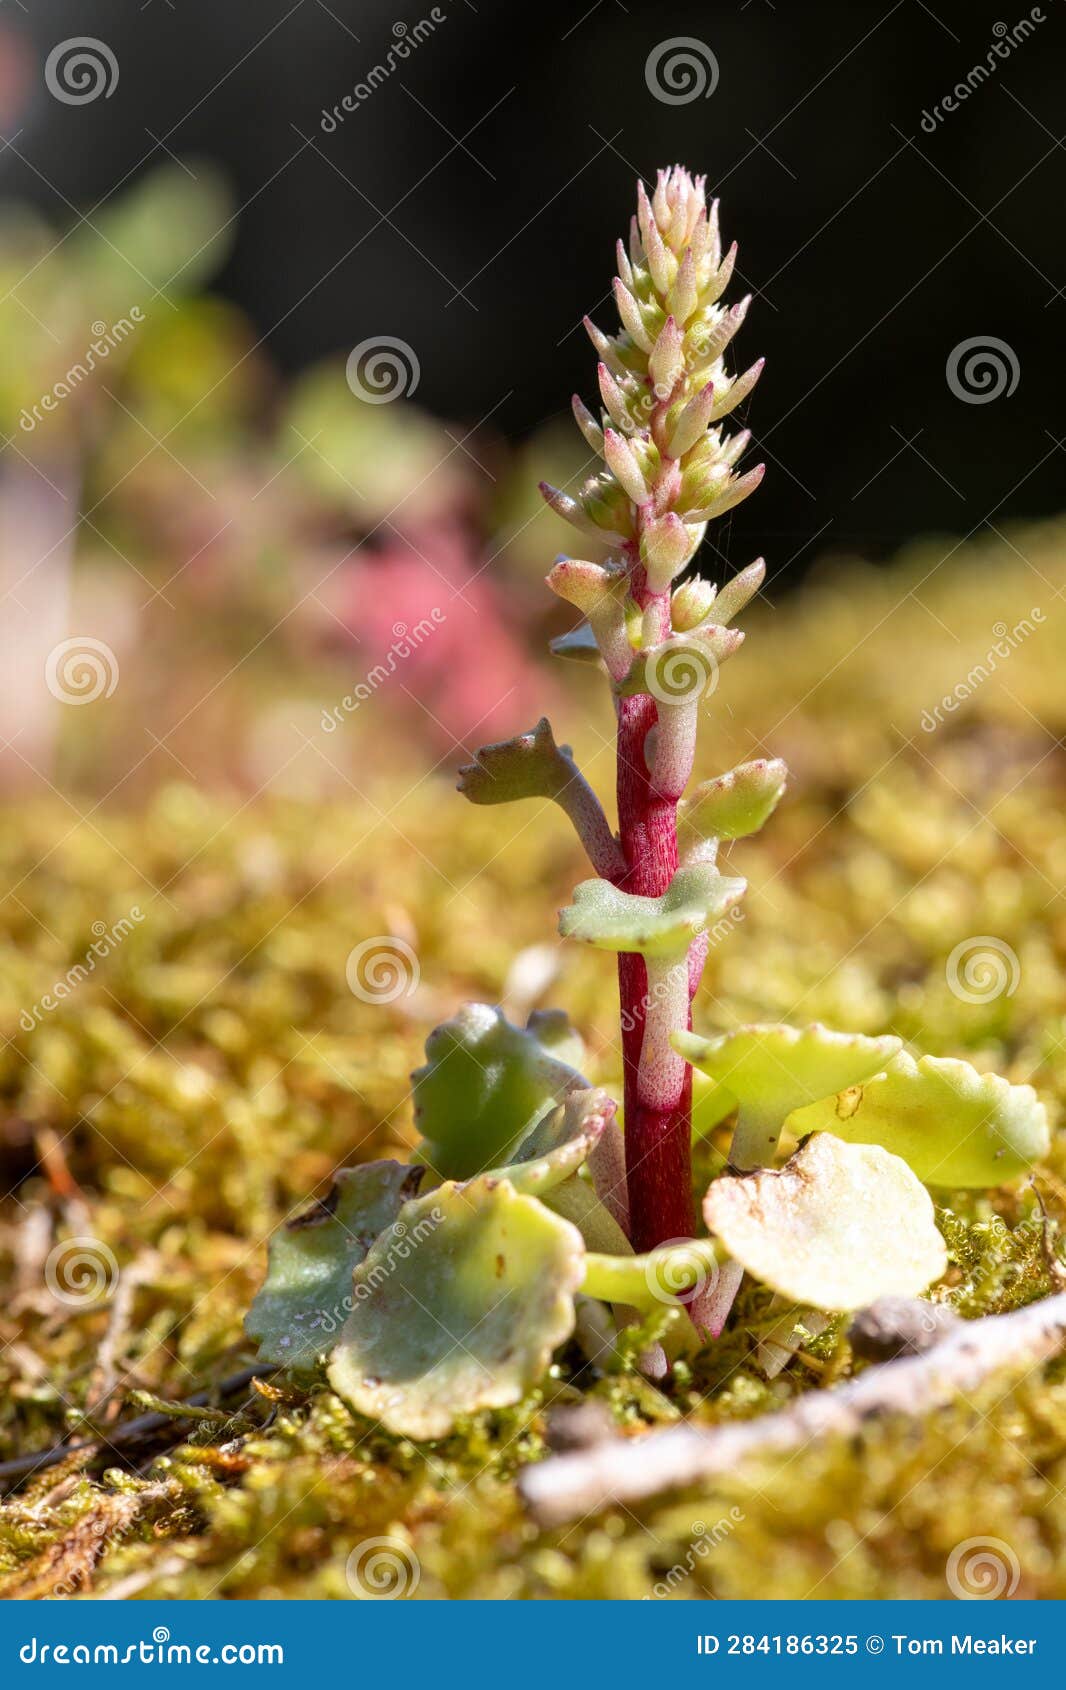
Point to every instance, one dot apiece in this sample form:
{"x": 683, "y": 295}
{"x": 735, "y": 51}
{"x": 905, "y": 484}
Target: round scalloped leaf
{"x": 559, "y": 1143}
{"x": 952, "y": 1125}
{"x": 837, "y": 1227}
{"x": 711, "y": 1104}
{"x": 772, "y": 1069}
{"x": 733, "y": 805}
{"x": 603, "y": 915}
{"x": 458, "y": 1307}
{"x": 576, "y": 1200}
{"x": 307, "y": 1293}
{"x": 485, "y": 1086}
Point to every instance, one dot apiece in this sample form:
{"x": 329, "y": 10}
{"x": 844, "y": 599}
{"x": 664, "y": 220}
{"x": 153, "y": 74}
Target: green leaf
{"x": 603, "y": 915}
{"x": 560, "y": 1142}
{"x": 734, "y": 805}
{"x": 307, "y": 1293}
{"x": 485, "y": 1086}
{"x": 711, "y": 1103}
{"x": 659, "y": 1277}
{"x": 458, "y": 1307}
{"x": 772, "y": 1069}
{"x": 576, "y": 1200}
{"x": 837, "y": 1227}
{"x": 954, "y": 1126}
{"x": 529, "y": 766}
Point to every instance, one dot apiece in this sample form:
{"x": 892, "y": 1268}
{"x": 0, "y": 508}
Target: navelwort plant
{"x": 433, "y": 1291}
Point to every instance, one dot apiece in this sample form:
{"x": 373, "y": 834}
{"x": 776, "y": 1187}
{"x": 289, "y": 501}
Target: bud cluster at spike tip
{"x": 669, "y": 465}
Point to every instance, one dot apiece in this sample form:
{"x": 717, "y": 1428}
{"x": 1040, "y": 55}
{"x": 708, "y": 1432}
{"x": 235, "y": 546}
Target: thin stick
{"x": 569, "y": 1487}
{"x": 24, "y": 1466}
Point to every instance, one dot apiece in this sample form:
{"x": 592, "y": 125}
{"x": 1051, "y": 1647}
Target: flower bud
{"x": 665, "y": 547}
{"x": 661, "y": 263}
{"x": 588, "y": 425}
{"x": 691, "y": 604}
{"x": 683, "y": 297}
{"x": 623, "y": 466}
{"x": 692, "y": 422}
{"x": 667, "y": 361}
{"x": 605, "y": 503}
{"x": 730, "y": 493}
{"x": 614, "y": 400}
{"x": 632, "y": 321}
{"x": 737, "y": 390}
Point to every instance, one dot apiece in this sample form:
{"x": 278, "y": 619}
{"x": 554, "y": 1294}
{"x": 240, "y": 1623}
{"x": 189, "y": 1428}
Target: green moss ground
{"x": 211, "y": 1072}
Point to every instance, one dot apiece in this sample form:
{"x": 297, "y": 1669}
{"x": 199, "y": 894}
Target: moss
{"x": 213, "y": 1069}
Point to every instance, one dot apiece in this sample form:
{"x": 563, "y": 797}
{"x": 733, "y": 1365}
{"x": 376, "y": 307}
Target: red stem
{"x": 657, "y": 1141}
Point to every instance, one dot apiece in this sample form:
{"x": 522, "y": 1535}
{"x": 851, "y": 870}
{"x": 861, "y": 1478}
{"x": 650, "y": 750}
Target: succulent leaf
{"x": 307, "y": 1293}
{"x": 560, "y": 1142}
{"x": 771, "y": 1069}
{"x": 952, "y": 1125}
{"x": 530, "y": 765}
{"x": 457, "y": 1308}
{"x": 837, "y": 1227}
{"x": 655, "y": 1278}
{"x": 734, "y": 804}
{"x": 738, "y": 593}
{"x": 485, "y": 1086}
{"x": 772, "y": 1065}
{"x": 603, "y": 915}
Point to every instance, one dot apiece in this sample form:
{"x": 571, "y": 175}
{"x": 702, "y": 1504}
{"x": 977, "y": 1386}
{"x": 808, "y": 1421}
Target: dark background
{"x": 471, "y": 204}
